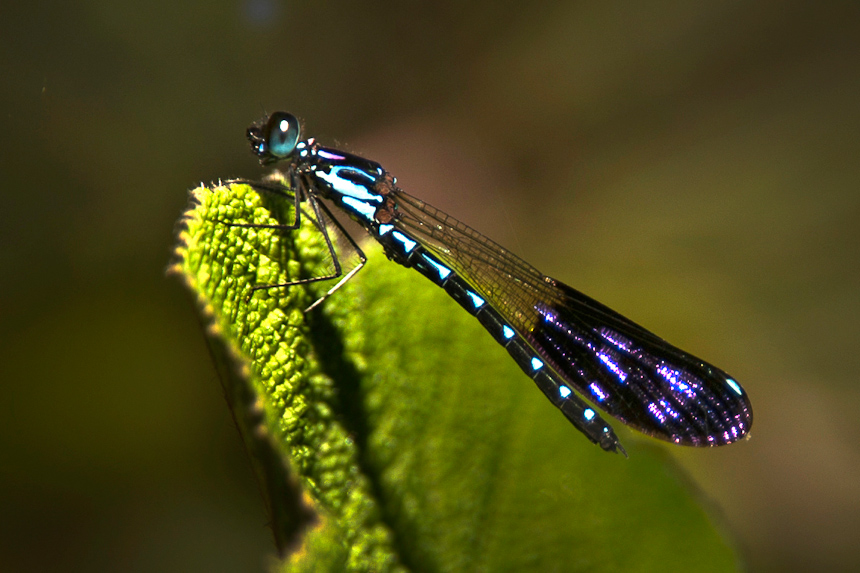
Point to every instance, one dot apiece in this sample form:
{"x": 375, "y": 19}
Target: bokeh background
{"x": 693, "y": 165}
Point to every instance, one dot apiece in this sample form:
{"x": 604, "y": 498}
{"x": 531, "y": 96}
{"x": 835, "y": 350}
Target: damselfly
{"x": 572, "y": 346}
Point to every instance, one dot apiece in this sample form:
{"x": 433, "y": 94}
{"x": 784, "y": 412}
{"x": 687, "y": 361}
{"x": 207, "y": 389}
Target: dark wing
{"x": 621, "y": 367}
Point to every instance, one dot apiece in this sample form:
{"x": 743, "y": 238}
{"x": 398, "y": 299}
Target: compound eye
{"x": 282, "y": 134}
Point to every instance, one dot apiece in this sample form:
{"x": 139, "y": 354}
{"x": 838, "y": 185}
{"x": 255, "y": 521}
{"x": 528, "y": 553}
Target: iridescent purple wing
{"x": 638, "y": 377}
{"x": 622, "y": 368}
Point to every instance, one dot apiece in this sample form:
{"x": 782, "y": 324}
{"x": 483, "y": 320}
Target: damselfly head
{"x": 275, "y": 138}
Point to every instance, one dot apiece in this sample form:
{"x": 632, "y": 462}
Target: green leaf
{"x": 415, "y": 441}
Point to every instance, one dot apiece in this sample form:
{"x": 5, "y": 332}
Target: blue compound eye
{"x": 282, "y": 134}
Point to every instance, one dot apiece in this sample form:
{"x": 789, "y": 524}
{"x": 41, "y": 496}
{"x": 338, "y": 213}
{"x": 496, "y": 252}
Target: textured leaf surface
{"x": 418, "y": 443}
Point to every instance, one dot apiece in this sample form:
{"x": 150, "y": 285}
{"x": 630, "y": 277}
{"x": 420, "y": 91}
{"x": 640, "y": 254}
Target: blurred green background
{"x": 692, "y": 165}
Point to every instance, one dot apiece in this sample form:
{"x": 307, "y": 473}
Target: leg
{"x": 318, "y": 222}
{"x": 298, "y": 196}
{"x": 277, "y": 190}
{"x": 361, "y": 258}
